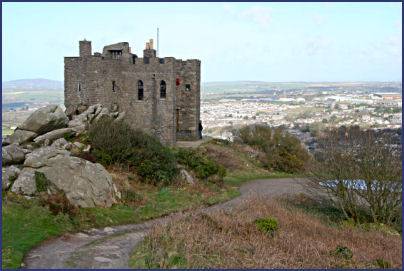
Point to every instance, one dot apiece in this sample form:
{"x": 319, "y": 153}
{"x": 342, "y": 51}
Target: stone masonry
{"x": 161, "y": 96}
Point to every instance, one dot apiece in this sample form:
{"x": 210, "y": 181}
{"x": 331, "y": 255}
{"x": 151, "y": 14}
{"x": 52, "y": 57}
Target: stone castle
{"x": 161, "y": 96}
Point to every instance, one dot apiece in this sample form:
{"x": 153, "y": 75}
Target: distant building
{"x": 158, "y": 95}
{"x": 388, "y": 96}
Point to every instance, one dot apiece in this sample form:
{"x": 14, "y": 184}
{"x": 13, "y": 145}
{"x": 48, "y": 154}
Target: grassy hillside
{"x": 26, "y": 223}
{"x": 267, "y": 234}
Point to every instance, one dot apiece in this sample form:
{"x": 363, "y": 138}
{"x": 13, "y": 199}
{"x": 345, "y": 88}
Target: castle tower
{"x": 160, "y": 96}
{"x": 149, "y": 52}
{"x": 85, "y": 48}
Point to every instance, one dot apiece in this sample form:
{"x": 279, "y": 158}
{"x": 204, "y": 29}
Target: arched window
{"x": 140, "y": 90}
{"x": 162, "y": 89}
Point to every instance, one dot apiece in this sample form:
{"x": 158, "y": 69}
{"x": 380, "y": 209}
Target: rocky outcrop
{"x": 53, "y": 135}
{"x": 8, "y": 175}
{"x": 25, "y": 183}
{"x": 185, "y": 176}
{"x": 85, "y": 184}
{"x": 13, "y": 154}
{"x": 61, "y": 143}
{"x": 21, "y": 136}
{"x": 45, "y": 119}
{"x": 93, "y": 113}
{"x": 43, "y": 156}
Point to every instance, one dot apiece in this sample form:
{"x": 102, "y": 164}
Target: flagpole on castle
{"x": 157, "y": 41}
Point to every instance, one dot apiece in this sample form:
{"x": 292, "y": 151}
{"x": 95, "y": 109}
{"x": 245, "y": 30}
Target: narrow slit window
{"x": 78, "y": 87}
{"x": 113, "y": 86}
{"x": 163, "y": 89}
{"x": 140, "y": 90}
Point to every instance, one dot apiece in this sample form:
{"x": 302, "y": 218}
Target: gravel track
{"x": 111, "y": 247}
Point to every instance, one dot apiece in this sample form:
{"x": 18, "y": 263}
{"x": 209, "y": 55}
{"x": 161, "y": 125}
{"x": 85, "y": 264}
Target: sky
{"x": 277, "y": 42}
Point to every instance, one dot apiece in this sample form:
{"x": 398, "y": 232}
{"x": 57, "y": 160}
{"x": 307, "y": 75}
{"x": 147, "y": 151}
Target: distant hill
{"x": 32, "y": 84}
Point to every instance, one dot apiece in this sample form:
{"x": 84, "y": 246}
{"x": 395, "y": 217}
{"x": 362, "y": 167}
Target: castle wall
{"x": 89, "y": 80}
{"x": 95, "y": 76}
{"x": 188, "y": 101}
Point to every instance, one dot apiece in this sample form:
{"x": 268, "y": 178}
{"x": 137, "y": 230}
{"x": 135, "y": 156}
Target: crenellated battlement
{"x": 160, "y": 95}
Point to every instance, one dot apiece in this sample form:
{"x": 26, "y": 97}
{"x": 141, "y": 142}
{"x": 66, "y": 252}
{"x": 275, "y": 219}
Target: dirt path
{"x": 111, "y": 247}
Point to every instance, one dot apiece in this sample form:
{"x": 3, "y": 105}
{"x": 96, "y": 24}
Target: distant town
{"x": 303, "y": 108}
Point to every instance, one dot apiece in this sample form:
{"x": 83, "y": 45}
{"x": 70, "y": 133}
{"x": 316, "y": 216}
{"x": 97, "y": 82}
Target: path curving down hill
{"x": 111, "y": 247}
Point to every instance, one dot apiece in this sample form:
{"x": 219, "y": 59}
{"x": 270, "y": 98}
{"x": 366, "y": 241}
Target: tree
{"x": 283, "y": 151}
{"x": 361, "y": 170}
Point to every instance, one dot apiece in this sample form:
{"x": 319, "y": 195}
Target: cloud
{"x": 317, "y": 45}
{"x": 258, "y": 14}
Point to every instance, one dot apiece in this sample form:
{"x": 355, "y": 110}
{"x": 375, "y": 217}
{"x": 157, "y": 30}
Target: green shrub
{"x": 342, "y": 252}
{"x": 381, "y": 263}
{"x": 177, "y": 261}
{"x": 115, "y": 142}
{"x": 203, "y": 166}
{"x": 256, "y": 135}
{"x": 267, "y": 225}
{"x": 42, "y": 183}
{"x": 69, "y": 136}
{"x": 283, "y": 151}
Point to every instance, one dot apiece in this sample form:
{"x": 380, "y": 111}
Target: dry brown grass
{"x": 234, "y": 157}
{"x": 231, "y": 240}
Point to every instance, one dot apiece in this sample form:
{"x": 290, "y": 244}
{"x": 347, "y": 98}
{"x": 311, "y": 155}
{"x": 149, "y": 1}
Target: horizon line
{"x": 246, "y": 80}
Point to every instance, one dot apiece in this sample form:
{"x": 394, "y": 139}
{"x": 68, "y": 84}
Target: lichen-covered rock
{"x": 85, "y": 184}
{"x": 21, "y": 136}
{"x": 9, "y": 174}
{"x": 13, "y": 154}
{"x": 52, "y": 135}
{"x": 121, "y": 116}
{"x": 61, "y": 143}
{"x": 45, "y": 119}
{"x": 42, "y": 156}
{"x": 81, "y": 122}
{"x": 185, "y": 176}
{"x": 25, "y": 183}
{"x": 104, "y": 112}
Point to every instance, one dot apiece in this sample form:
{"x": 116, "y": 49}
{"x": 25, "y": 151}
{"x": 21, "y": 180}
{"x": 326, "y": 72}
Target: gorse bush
{"x": 203, "y": 166}
{"x": 342, "y": 252}
{"x": 267, "y": 225}
{"x": 115, "y": 142}
{"x": 283, "y": 151}
{"x": 381, "y": 263}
